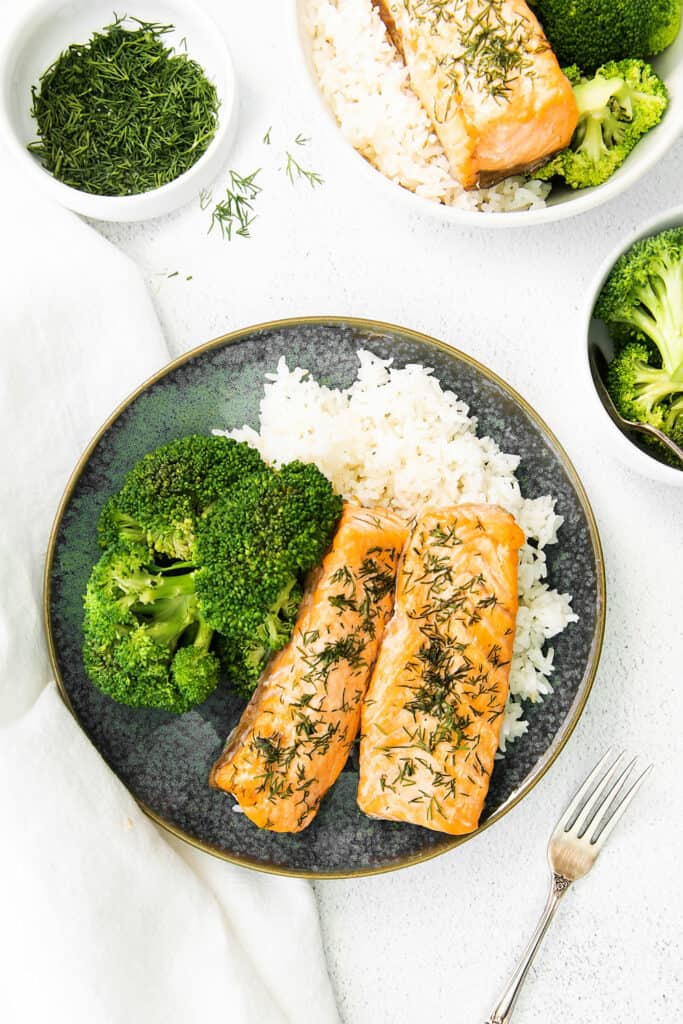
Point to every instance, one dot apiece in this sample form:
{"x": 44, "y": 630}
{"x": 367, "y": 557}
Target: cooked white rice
{"x": 396, "y": 438}
{"x": 366, "y": 85}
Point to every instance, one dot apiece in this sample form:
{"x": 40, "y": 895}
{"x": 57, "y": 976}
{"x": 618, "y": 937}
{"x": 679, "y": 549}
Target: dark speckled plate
{"x": 164, "y": 759}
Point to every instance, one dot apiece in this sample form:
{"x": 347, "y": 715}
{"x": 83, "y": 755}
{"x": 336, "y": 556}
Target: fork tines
{"x": 606, "y": 788}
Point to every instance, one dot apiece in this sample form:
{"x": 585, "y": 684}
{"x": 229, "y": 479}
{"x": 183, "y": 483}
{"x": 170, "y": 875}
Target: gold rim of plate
{"x": 586, "y": 684}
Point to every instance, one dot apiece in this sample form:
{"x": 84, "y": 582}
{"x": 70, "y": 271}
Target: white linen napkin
{"x": 105, "y": 919}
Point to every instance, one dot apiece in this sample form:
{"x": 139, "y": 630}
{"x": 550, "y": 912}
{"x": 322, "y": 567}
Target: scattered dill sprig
{"x": 234, "y": 214}
{"x": 266, "y": 138}
{"x": 205, "y": 197}
{"x": 302, "y": 140}
{"x": 123, "y": 113}
{"x": 295, "y": 171}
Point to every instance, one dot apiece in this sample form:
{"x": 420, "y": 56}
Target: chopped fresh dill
{"x": 493, "y": 51}
{"x": 123, "y": 113}
{"x": 494, "y": 48}
{"x": 234, "y": 214}
{"x": 205, "y": 197}
{"x": 295, "y": 171}
{"x": 301, "y": 139}
{"x": 266, "y": 137}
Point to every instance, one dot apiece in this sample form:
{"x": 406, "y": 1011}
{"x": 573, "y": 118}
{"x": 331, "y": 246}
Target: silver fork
{"x": 574, "y": 846}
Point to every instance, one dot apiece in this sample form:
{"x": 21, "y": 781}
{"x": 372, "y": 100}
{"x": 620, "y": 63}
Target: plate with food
{"x": 327, "y": 595}
{"x": 469, "y": 108}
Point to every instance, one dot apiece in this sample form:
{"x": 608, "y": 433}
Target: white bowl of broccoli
{"x": 634, "y": 319}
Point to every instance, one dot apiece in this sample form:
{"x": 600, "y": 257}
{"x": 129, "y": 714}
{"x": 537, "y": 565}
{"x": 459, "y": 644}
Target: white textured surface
{"x": 101, "y": 922}
{"x": 434, "y": 943}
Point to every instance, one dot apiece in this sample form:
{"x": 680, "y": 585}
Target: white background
{"x": 435, "y": 942}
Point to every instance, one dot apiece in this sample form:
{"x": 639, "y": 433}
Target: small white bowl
{"x": 562, "y": 202}
{"x": 43, "y": 32}
{"x": 595, "y": 332}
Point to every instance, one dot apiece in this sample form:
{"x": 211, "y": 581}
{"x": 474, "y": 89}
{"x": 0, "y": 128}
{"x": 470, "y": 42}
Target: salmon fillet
{"x": 296, "y": 732}
{"x": 434, "y": 707}
{"x": 488, "y": 80}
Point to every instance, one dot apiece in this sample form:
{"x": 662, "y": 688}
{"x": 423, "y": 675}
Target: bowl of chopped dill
{"x": 120, "y": 118}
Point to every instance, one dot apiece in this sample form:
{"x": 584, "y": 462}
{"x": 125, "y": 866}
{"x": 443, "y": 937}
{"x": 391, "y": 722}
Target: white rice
{"x": 367, "y": 87}
{"x": 396, "y": 438}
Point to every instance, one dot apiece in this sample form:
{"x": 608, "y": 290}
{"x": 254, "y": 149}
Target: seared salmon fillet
{"x": 434, "y": 708}
{"x": 488, "y": 80}
{"x": 296, "y": 732}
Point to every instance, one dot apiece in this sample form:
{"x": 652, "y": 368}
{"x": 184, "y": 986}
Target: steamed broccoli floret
{"x": 617, "y": 107}
{"x": 638, "y": 387}
{"x": 146, "y": 642}
{"x": 646, "y": 394}
{"x": 168, "y": 490}
{"x": 674, "y": 428}
{"x": 642, "y": 304}
{"x": 254, "y": 549}
{"x": 206, "y": 552}
{"x": 642, "y": 298}
{"x": 591, "y": 32}
{"x": 245, "y": 657}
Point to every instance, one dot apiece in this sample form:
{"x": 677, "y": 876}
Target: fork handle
{"x": 502, "y": 1013}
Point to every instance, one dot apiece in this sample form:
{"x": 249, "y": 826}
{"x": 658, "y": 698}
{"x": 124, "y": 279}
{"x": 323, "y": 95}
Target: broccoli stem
{"x": 674, "y": 414}
{"x": 593, "y": 142}
{"x": 594, "y": 95}
{"x": 169, "y": 618}
{"x": 661, "y": 317}
{"x": 670, "y": 294}
{"x": 167, "y": 603}
{"x": 152, "y": 587}
{"x": 599, "y": 126}
{"x": 654, "y": 385}
{"x": 203, "y": 636}
{"x": 276, "y": 630}
{"x": 255, "y": 657}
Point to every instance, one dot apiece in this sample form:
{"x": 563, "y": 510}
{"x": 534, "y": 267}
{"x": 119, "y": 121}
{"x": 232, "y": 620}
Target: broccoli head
{"x": 145, "y": 641}
{"x": 206, "y": 550}
{"x": 645, "y": 393}
{"x": 169, "y": 489}
{"x": 642, "y": 305}
{"x": 591, "y": 32}
{"x": 639, "y": 388}
{"x": 617, "y": 106}
{"x": 253, "y": 549}
{"x": 673, "y": 426}
{"x": 642, "y": 298}
{"x": 244, "y": 657}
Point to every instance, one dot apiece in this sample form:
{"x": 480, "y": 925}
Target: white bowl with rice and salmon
{"x": 467, "y": 109}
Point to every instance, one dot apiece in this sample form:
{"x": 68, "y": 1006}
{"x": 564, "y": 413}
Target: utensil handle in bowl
{"x": 502, "y": 1014}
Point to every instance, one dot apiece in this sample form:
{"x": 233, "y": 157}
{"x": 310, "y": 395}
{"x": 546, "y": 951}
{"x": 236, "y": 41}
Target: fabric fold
{"x": 106, "y": 918}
